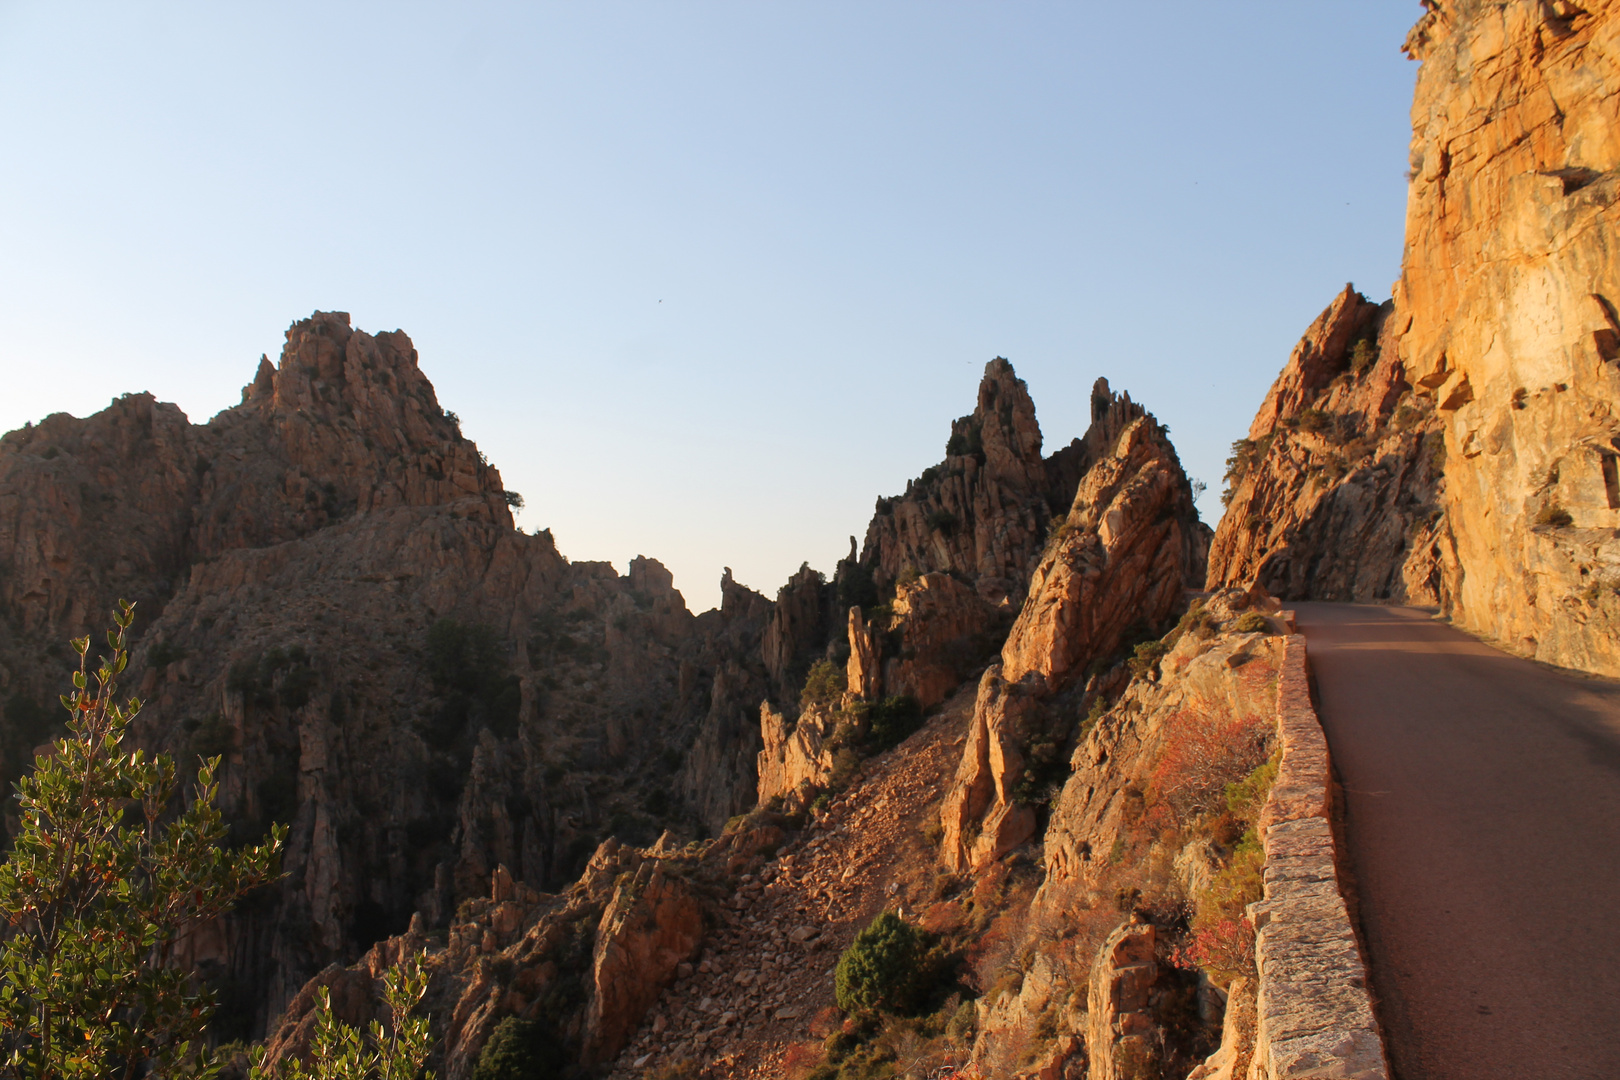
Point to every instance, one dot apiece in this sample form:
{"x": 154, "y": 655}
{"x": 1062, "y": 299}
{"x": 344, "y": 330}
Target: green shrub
{"x": 1434, "y": 448}
{"x": 1099, "y": 705}
{"x": 1252, "y": 622}
{"x": 1245, "y": 797}
{"x": 338, "y": 1051}
{"x": 963, "y": 1024}
{"x": 1362, "y": 357}
{"x": 213, "y": 737}
{"x": 892, "y": 720}
{"x": 824, "y": 685}
{"x": 1138, "y": 1061}
{"x": 1245, "y": 454}
{"x": 684, "y": 1069}
{"x": 855, "y": 587}
{"x": 1314, "y": 421}
{"x": 101, "y": 882}
{"x": 942, "y": 521}
{"x": 1555, "y": 516}
{"x": 513, "y": 499}
{"x": 467, "y": 666}
{"x": 1056, "y": 531}
{"x": 885, "y": 969}
{"x": 1222, "y": 940}
{"x": 520, "y": 1050}
{"x": 278, "y": 675}
{"x": 962, "y": 444}
{"x": 161, "y": 655}
{"x": 1146, "y": 656}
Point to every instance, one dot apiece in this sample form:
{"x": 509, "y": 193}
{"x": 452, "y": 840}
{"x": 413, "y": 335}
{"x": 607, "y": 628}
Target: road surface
{"x": 1482, "y": 824}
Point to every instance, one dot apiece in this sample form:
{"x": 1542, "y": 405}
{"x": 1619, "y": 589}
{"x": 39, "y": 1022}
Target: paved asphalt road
{"x": 1482, "y": 820}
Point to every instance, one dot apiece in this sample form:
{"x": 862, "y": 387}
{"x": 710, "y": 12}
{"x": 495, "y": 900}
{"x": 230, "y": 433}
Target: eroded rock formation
{"x": 981, "y": 514}
{"x": 333, "y": 597}
{"x": 652, "y": 925}
{"x": 1118, "y": 856}
{"x": 797, "y": 760}
{"x": 1122, "y": 558}
{"x": 1120, "y": 1020}
{"x": 923, "y": 643}
{"x": 1501, "y": 347}
{"x": 1335, "y": 492}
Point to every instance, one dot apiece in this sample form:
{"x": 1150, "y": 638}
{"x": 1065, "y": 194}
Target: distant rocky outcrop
{"x": 332, "y": 596}
{"x": 797, "y": 760}
{"x": 1470, "y": 457}
{"x": 1121, "y": 560}
{"x": 935, "y": 633}
{"x": 983, "y": 513}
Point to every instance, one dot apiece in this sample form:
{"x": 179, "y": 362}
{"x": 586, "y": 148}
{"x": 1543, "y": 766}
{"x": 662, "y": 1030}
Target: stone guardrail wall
{"x": 1314, "y": 1011}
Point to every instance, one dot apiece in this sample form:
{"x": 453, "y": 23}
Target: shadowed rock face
{"x": 1489, "y": 484}
{"x": 290, "y": 559}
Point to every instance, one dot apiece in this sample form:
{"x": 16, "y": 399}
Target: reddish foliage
{"x": 800, "y": 1058}
{"x": 1225, "y": 949}
{"x": 989, "y": 882}
{"x": 825, "y": 1022}
{"x": 1202, "y": 754}
{"x": 1258, "y": 680}
{"x": 996, "y": 948}
{"x": 945, "y": 917}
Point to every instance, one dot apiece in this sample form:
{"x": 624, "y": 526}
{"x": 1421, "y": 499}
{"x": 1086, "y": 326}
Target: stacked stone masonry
{"x": 1314, "y": 1013}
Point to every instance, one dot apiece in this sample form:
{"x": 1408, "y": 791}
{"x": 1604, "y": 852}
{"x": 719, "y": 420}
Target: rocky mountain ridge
{"x": 730, "y": 950}
{"x": 333, "y": 598}
{"x": 643, "y": 836}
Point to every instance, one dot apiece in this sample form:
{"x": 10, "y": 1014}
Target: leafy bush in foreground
{"x": 101, "y": 885}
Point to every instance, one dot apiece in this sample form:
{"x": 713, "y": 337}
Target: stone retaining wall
{"x": 1314, "y": 1014}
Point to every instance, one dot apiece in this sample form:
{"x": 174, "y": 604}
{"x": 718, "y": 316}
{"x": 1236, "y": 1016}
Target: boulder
{"x": 653, "y": 924}
{"x": 1122, "y": 1031}
{"x": 982, "y": 816}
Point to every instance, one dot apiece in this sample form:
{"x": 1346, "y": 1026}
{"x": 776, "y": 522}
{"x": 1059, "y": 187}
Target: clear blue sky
{"x": 702, "y": 279}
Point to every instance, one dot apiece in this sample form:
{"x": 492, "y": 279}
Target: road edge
{"x": 1315, "y": 1014}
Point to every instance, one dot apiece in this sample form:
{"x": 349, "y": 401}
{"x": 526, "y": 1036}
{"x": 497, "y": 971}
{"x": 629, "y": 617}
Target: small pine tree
{"x": 100, "y": 885}
{"x": 824, "y": 685}
{"x": 885, "y": 969}
{"x": 520, "y": 1050}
